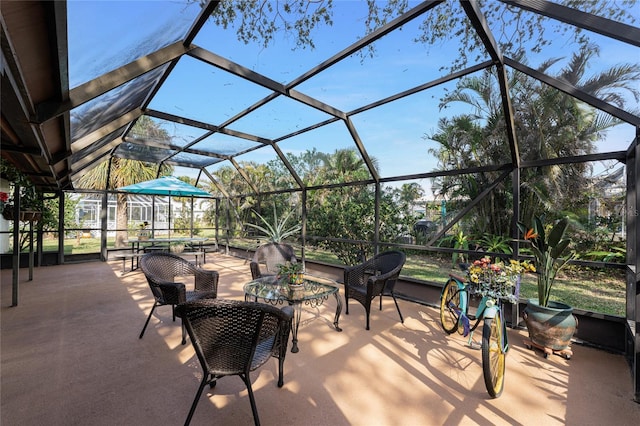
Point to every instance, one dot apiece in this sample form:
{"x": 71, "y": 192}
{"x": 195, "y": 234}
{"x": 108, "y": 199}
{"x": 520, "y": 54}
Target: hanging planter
{"x": 7, "y": 212}
{"x": 30, "y": 216}
{"x": 25, "y": 215}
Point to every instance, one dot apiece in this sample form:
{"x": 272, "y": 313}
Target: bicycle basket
{"x": 504, "y": 288}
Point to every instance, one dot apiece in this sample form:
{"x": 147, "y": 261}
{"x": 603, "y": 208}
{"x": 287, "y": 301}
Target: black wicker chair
{"x": 161, "y": 270}
{"x": 375, "y": 277}
{"x": 267, "y": 258}
{"x": 233, "y": 338}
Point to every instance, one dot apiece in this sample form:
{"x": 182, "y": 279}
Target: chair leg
{"x": 346, "y": 302}
{"x": 281, "y": 369}
{"x": 196, "y": 399}
{"x": 367, "y": 311}
{"x": 398, "y": 308}
{"x": 184, "y": 333}
{"x": 252, "y": 400}
{"x": 148, "y": 318}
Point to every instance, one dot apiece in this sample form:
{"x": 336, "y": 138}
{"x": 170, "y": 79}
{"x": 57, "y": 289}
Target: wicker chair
{"x": 267, "y": 258}
{"x": 233, "y": 338}
{"x": 161, "y": 270}
{"x": 375, "y": 277}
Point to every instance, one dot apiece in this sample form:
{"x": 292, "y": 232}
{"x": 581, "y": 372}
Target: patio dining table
{"x": 159, "y": 242}
{"x": 314, "y": 292}
{"x": 138, "y": 246}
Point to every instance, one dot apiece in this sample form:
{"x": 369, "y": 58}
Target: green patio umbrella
{"x": 166, "y": 186}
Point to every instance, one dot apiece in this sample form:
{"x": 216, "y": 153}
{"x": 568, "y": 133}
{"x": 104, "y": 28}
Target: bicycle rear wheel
{"x": 450, "y": 307}
{"x": 493, "y": 357}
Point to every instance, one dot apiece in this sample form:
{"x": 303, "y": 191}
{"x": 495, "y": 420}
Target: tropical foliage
{"x": 548, "y": 246}
{"x": 549, "y": 124}
{"x": 123, "y": 172}
{"x": 278, "y": 230}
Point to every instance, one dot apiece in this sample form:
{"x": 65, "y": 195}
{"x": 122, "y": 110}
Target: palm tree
{"x": 549, "y": 124}
{"x": 126, "y": 172}
{"x": 123, "y": 172}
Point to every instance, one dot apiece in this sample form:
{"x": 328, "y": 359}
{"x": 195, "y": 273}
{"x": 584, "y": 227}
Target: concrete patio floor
{"x": 70, "y": 355}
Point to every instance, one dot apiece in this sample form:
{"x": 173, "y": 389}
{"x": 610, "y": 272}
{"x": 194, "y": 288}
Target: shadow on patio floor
{"x": 71, "y": 356}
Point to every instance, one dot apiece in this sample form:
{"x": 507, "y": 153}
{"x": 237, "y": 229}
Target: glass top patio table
{"x": 313, "y": 292}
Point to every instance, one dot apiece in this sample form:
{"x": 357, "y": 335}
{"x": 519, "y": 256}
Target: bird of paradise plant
{"x": 548, "y": 249}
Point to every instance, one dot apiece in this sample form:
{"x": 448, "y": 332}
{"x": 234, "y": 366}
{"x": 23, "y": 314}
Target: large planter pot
{"x": 550, "y": 328}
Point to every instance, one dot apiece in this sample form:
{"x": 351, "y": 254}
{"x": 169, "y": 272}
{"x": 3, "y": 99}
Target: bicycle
{"x": 455, "y": 316}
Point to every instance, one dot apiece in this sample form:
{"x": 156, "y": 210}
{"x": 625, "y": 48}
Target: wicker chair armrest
{"x": 356, "y": 275}
{"x": 172, "y": 293}
{"x": 384, "y": 277}
{"x": 206, "y": 280}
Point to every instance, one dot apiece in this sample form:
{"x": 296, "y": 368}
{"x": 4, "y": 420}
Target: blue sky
{"x": 394, "y": 134}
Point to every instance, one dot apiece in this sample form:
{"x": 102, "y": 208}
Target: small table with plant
{"x": 310, "y": 291}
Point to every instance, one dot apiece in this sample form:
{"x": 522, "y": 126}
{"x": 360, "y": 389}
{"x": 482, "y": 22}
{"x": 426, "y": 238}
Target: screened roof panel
{"x": 396, "y": 134}
{"x": 279, "y": 117}
{"x": 199, "y": 91}
{"x": 104, "y": 35}
{"x": 193, "y": 160}
{"x": 221, "y": 144}
{"x": 147, "y": 153}
{"x": 276, "y": 61}
{"x": 235, "y": 184}
{"x": 604, "y": 56}
{"x": 105, "y": 108}
{"x": 165, "y": 132}
{"x": 548, "y": 118}
{"x": 78, "y": 153}
{"x": 393, "y": 64}
{"x": 309, "y": 151}
{"x": 273, "y": 178}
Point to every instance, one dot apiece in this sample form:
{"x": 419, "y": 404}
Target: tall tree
{"x": 549, "y": 124}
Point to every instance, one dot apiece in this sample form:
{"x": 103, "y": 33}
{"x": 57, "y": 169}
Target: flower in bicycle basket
{"x": 497, "y": 279}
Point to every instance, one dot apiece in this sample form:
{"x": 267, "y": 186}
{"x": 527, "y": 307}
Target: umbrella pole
{"x": 169, "y": 230}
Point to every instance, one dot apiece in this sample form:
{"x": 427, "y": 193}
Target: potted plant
{"x": 291, "y": 273}
{"x": 176, "y": 248}
{"x": 276, "y": 231}
{"x": 143, "y": 232}
{"x": 31, "y": 203}
{"x": 550, "y": 323}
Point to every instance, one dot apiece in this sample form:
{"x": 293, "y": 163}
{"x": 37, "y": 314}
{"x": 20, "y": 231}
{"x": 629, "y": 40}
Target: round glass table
{"x": 313, "y": 292}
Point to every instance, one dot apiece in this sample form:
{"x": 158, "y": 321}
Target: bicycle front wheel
{"x": 450, "y": 307}
{"x": 493, "y": 357}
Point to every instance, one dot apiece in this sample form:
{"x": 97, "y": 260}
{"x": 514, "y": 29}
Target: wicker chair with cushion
{"x": 374, "y": 277}
{"x": 162, "y": 269}
{"x": 267, "y": 258}
{"x": 233, "y": 338}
